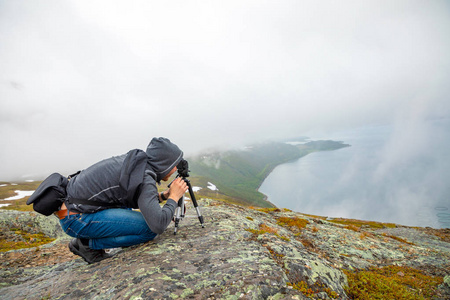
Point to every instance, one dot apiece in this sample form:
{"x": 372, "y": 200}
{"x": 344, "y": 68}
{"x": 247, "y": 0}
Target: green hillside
{"x": 238, "y": 174}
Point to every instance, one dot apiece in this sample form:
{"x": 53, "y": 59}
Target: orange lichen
{"x": 292, "y": 222}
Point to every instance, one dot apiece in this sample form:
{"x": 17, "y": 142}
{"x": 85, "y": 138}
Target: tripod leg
{"x": 194, "y": 201}
{"x": 179, "y": 213}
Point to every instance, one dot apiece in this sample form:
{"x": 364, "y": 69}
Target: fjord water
{"x": 389, "y": 174}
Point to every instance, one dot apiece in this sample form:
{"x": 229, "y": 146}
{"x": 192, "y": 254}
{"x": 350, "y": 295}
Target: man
{"x": 109, "y": 190}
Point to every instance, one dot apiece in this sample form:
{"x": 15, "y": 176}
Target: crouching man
{"x": 98, "y": 209}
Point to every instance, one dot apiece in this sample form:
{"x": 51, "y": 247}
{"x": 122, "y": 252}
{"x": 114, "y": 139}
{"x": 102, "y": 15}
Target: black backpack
{"x": 50, "y": 194}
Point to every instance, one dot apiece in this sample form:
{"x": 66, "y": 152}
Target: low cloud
{"x": 85, "y": 80}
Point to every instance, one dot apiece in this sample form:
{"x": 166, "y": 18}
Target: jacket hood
{"x": 163, "y": 155}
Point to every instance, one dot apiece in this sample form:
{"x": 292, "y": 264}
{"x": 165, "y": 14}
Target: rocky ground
{"x": 241, "y": 253}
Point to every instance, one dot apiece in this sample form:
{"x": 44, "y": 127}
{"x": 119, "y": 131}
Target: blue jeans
{"x": 109, "y": 228}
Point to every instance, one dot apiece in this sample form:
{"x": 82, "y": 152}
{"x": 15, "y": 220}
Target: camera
{"x": 183, "y": 168}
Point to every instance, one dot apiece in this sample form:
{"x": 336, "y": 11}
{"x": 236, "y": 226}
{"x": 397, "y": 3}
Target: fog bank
{"x": 84, "y": 80}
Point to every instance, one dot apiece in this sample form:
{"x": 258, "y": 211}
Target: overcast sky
{"x": 84, "y": 80}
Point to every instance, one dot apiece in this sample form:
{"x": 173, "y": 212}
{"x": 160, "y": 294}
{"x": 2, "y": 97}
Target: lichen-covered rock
{"x": 240, "y": 254}
{"x": 31, "y": 221}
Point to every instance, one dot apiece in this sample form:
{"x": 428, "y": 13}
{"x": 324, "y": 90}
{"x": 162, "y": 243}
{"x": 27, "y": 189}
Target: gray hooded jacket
{"x": 103, "y": 183}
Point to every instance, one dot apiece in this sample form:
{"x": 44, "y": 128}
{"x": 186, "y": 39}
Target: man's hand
{"x": 177, "y": 189}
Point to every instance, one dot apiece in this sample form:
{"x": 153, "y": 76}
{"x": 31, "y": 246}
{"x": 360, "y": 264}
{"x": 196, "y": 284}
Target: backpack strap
{"x": 91, "y": 202}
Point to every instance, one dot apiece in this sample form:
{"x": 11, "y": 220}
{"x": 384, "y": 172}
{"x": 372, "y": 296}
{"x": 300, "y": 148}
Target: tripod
{"x": 183, "y": 172}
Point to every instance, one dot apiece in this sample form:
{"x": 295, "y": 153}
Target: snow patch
{"x": 20, "y": 195}
{"x": 2, "y": 205}
{"x": 212, "y": 187}
{"x": 196, "y": 188}
{"x": 3, "y": 185}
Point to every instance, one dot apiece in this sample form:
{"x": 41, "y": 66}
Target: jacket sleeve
{"x": 157, "y": 217}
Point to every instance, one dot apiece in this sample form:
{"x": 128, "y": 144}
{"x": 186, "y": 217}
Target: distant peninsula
{"x": 238, "y": 174}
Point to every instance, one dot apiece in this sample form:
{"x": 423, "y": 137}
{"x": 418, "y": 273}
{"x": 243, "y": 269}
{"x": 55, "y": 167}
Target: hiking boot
{"x": 77, "y": 247}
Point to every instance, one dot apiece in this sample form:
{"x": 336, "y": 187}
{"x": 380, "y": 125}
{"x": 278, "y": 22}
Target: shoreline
{"x": 266, "y": 198}
{"x": 270, "y": 172}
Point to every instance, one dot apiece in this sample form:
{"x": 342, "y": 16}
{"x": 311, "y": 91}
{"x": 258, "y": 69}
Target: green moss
{"x": 332, "y": 294}
{"x": 303, "y": 287}
{"x": 285, "y": 238}
{"x": 25, "y": 240}
{"x": 359, "y": 223}
{"x": 391, "y": 282}
{"x": 311, "y": 292}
